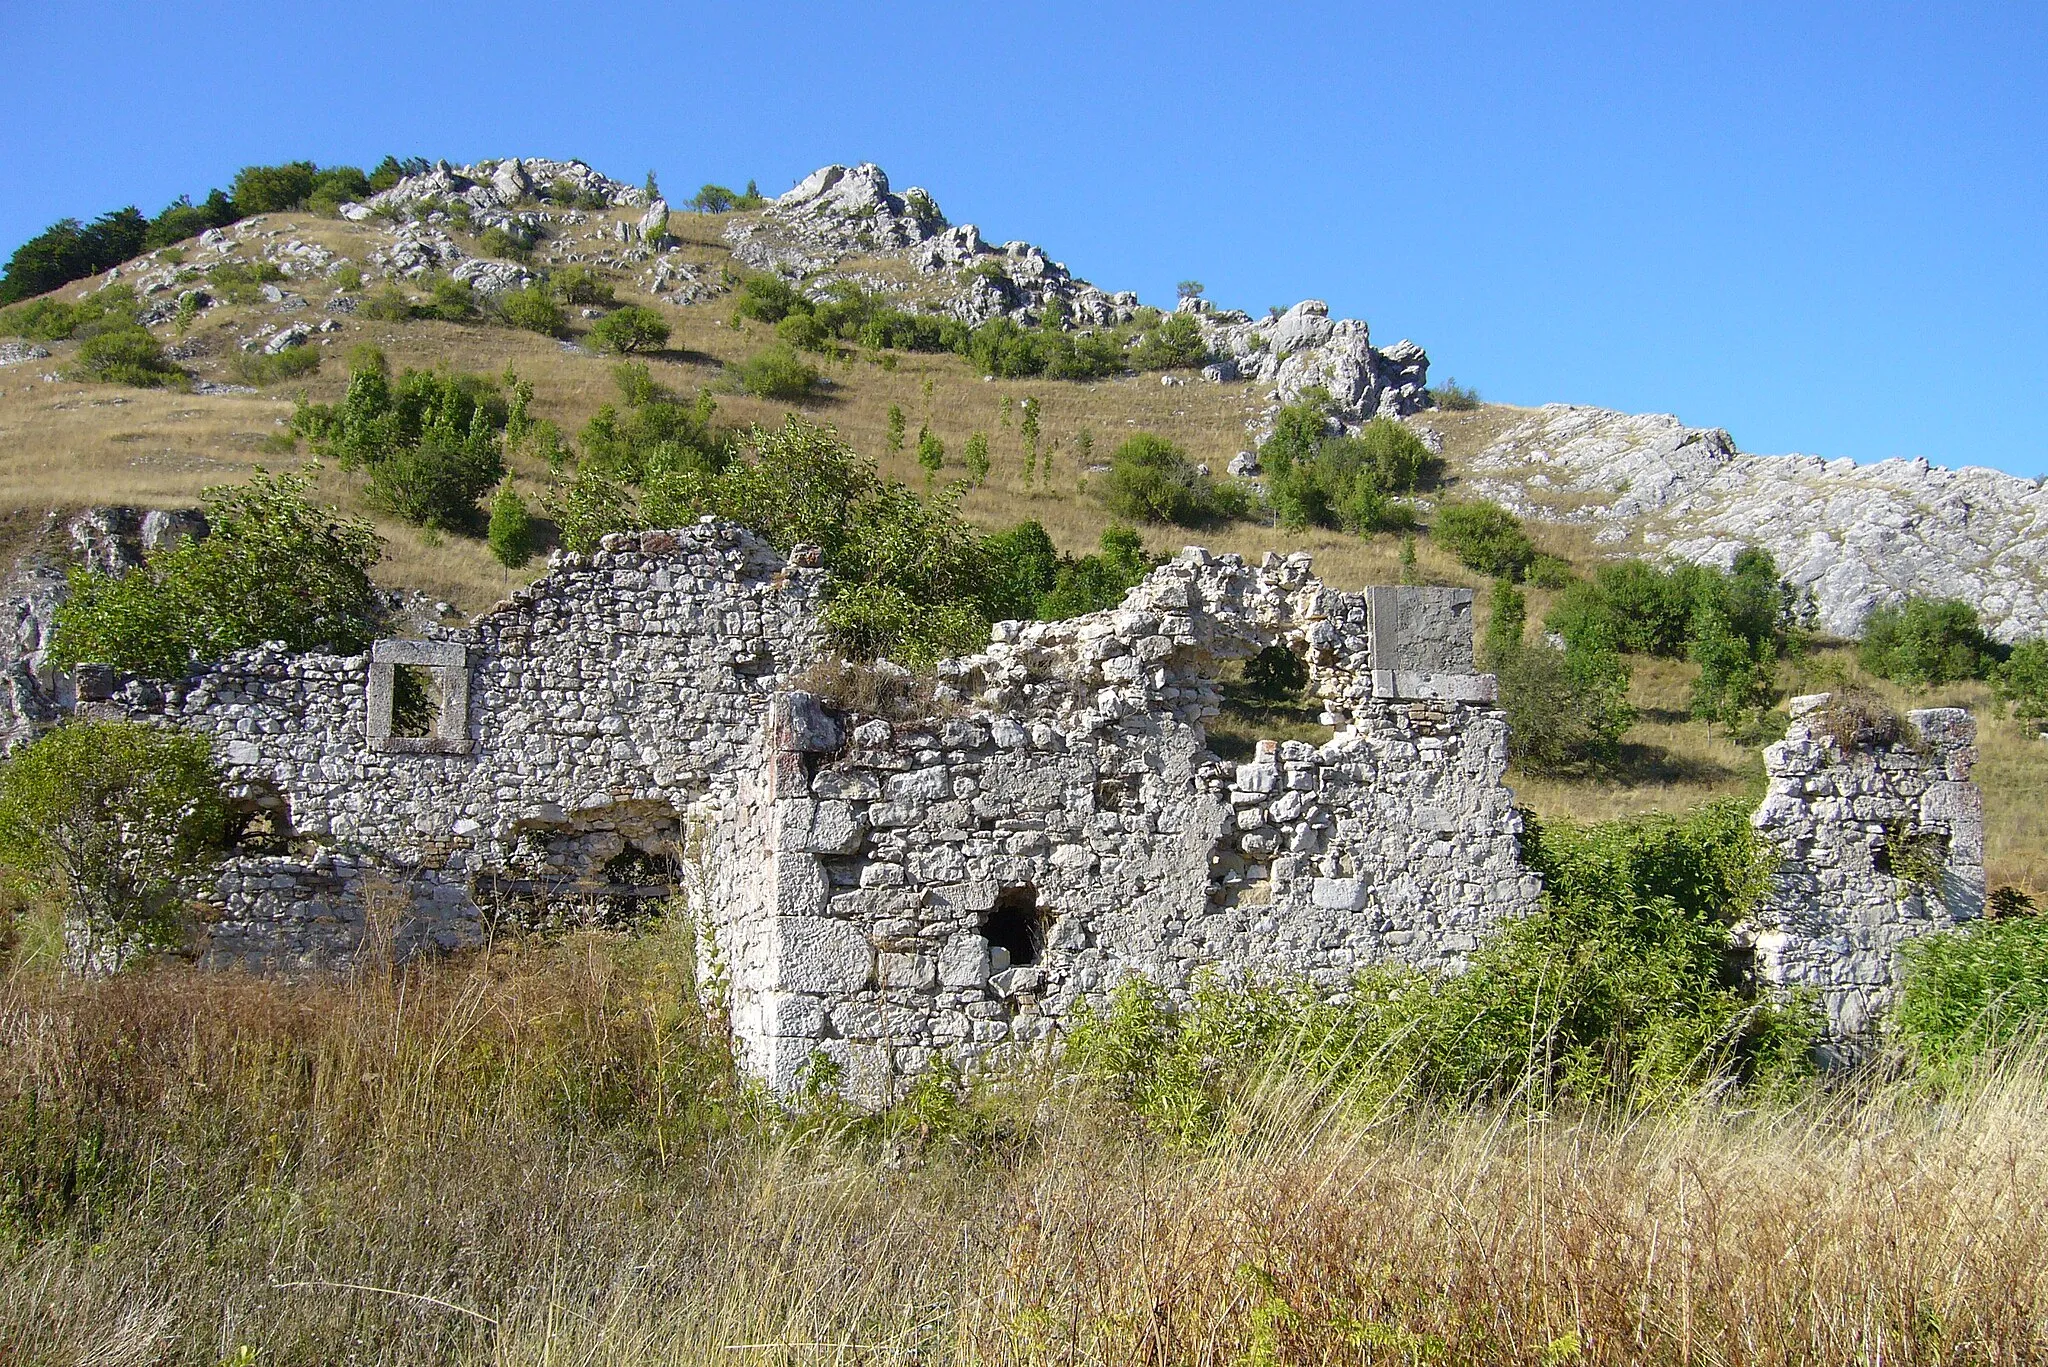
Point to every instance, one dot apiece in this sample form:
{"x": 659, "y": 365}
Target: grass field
{"x": 64, "y": 444}
{"x": 540, "y": 1156}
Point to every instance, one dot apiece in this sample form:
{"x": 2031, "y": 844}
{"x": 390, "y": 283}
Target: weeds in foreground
{"x": 541, "y": 1154}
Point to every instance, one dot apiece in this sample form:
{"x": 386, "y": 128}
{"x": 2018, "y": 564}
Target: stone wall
{"x": 1880, "y": 837}
{"x": 886, "y": 893}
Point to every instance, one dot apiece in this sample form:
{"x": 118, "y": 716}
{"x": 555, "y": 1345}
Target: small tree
{"x": 2022, "y": 681}
{"x": 1188, "y": 289}
{"x": 630, "y": 329}
{"x": 117, "y": 821}
{"x": 777, "y": 372}
{"x": 534, "y": 310}
{"x": 511, "y": 529}
{"x": 931, "y": 453}
{"x": 975, "y": 457}
{"x": 1735, "y": 679}
{"x": 1028, "y": 428}
{"x": 1504, "y": 628}
{"x": 894, "y": 440}
{"x": 1927, "y": 641}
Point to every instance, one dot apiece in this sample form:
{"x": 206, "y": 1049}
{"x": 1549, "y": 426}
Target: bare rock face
{"x": 1857, "y": 536}
{"x": 1304, "y": 348}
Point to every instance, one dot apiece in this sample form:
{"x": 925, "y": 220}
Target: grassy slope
{"x": 67, "y": 444}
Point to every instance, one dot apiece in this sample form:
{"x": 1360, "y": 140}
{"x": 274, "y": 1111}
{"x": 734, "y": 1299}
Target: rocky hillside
{"x": 1857, "y": 536}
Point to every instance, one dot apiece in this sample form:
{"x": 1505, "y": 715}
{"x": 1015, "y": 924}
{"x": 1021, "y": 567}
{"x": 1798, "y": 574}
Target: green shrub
{"x": 272, "y": 189}
{"x": 241, "y": 282}
{"x": 289, "y": 364}
{"x": 182, "y": 219}
{"x": 579, "y": 285}
{"x": 655, "y": 435}
{"x": 1453, "y": 397}
{"x": 931, "y": 452}
{"x": 449, "y": 300}
{"x": 1485, "y": 537}
{"x": 117, "y": 820}
{"x": 893, "y": 438}
{"x": 1023, "y": 566}
{"x": 387, "y": 304}
{"x": 1152, "y": 480}
{"x": 1737, "y": 677}
{"x": 431, "y": 442}
{"x": 1317, "y": 479}
{"x": 1092, "y": 583}
{"x": 769, "y": 299}
{"x": 2021, "y": 683}
{"x": 349, "y": 280}
{"x": 804, "y": 332}
{"x": 511, "y": 529}
{"x": 334, "y": 186}
{"x": 1505, "y": 626}
{"x": 1972, "y": 994}
{"x": 53, "y": 320}
{"x": 533, "y": 310}
{"x": 1175, "y": 343}
{"x": 1565, "y": 708}
{"x": 776, "y": 372}
{"x": 126, "y": 355}
{"x": 274, "y": 568}
{"x": 630, "y": 329}
{"x": 1550, "y": 571}
{"x": 717, "y": 199}
{"x": 512, "y": 242}
{"x": 1927, "y": 641}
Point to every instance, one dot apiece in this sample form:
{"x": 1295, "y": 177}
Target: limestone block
{"x": 801, "y": 887}
{"x": 794, "y": 1015}
{"x": 1339, "y": 894}
{"x": 822, "y": 956}
{"x": 819, "y": 827}
{"x": 963, "y": 960}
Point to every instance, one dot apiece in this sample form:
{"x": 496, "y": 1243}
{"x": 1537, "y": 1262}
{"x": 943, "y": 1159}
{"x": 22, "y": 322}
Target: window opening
{"x": 1015, "y": 930}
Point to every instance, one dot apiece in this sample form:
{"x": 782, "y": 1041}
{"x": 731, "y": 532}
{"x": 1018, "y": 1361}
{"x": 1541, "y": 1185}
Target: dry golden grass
{"x": 539, "y": 1156}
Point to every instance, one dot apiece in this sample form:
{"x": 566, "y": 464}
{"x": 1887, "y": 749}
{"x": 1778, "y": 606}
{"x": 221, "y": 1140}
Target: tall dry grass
{"x": 540, "y": 1156}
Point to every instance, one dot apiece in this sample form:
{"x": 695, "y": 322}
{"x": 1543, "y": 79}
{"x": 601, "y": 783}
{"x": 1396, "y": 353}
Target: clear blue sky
{"x": 1820, "y": 226}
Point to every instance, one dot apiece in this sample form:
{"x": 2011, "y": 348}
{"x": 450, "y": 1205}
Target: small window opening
{"x": 415, "y": 701}
{"x": 1265, "y": 697}
{"x": 1015, "y": 930}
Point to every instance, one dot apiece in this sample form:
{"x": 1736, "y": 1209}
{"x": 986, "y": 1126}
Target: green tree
{"x": 1029, "y": 429}
{"x": 1565, "y": 708}
{"x": 1152, "y": 480}
{"x": 1485, "y": 537}
{"x": 127, "y": 355}
{"x": 1091, "y": 583}
{"x": 511, "y": 528}
{"x": 931, "y": 453}
{"x": 894, "y": 439}
{"x": 272, "y": 189}
{"x": 274, "y": 568}
{"x": 117, "y": 821}
{"x": 533, "y": 310}
{"x": 1736, "y": 679}
{"x": 777, "y": 372}
{"x": 2022, "y": 681}
{"x": 1927, "y": 641}
{"x": 1505, "y": 627}
{"x": 630, "y": 329}
{"x": 432, "y": 442}
{"x": 974, "y": 456}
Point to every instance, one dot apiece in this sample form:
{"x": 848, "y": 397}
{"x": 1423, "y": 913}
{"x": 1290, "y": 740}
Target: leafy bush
{"x": 717, "y": 199}
{"x": 769, "y": 299}
{"x": 1173, "y": 344}
{"x": 655, "y": 435}
{"x": 387, "y": 304}
{"x": 274, "y": 568}
{"x": 580, "y": 285}
{"x": 451, "y": 301}
{"x": 1973, "y": 993}
{"x": 931, "y": 452}
{"x": 273, "y": 189}
{"x": 804, "y": 332}
{"x": 1453, "y": 397}
{"x": 334, "y": 186}
{"x": 118, "y": 821}
{"x": 1613, "y": 993}
{"x": 1485, "y": 537}
{"x": 1092, "y": 583}
{"x": 2021, "y": 683}
{"x": 432, "y": 442}
{"x": 510, "y": 535}
{"x": 974, "y": 457}
{"x": 53, "y": 320}
{"x": 241, "y": 282}
{"x": 126, "y": 355}
{"x": 776, "y": 372}
{"x": 1565, "y": 708}
{"x": 1927, "y": 641}
{"x": 533, "y": 310}
{"x": 290, "y": 364}
{"x": 1152, "y": 480}
{"x": 513, "y": 242}
{"x": 182, "y": 219}
{"x": 1737, "y": 678}
{"x": 1317, "y": 479}
{"x": 630, "y": 329}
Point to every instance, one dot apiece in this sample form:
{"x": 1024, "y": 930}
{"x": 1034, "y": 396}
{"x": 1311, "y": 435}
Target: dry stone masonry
{"x": 1880, "y": 838}
{"x": 947, "y": 885}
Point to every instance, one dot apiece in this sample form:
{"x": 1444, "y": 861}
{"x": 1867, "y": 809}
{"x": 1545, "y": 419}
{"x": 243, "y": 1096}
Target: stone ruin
{"x": 946, "y": 881}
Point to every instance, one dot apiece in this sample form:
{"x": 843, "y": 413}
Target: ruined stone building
{"x": 892, "y": 893}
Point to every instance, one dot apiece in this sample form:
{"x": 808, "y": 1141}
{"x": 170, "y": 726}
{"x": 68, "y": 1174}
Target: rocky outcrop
{"x": 1856, "y": 536}
{"x": 840, "y": 212}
